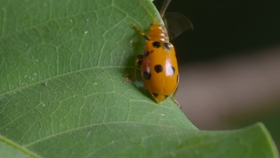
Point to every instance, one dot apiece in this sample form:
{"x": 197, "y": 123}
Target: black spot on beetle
{"x": 173, "y": 70}
{"x": 155, "y": 94}
{"x": 167, "y": 46}
{"x": 156, "y": 44}
{"x": 158, "y": 68}
{"x": 147, "y": 75}
{"x": 146, "y": 53}
{"x": 166, "y": 96}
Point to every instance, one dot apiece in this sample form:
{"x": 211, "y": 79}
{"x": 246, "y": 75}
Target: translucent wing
{"x": 176, "y": 24}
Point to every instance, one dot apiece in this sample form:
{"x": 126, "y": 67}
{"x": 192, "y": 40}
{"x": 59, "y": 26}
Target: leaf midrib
{"x": 61, "y": 75}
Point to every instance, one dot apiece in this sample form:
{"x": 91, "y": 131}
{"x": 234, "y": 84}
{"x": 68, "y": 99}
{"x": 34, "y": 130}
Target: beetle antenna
{"x": 154, "y": 20}
{"x": 164, "y": 7}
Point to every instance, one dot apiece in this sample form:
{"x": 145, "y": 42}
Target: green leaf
{"x": 62, "y": 92}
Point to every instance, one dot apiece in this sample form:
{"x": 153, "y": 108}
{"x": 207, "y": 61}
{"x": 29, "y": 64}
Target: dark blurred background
{"x": 230, "y": 63}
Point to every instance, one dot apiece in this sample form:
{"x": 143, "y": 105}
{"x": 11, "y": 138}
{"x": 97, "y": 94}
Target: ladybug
{"x": 159, "y": 67}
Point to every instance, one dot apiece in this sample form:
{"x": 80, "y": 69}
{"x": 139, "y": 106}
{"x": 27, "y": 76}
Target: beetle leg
{"x": 137, "y": 62}
{"x": 173, "y": 98}
{"x": 140, "y": 32}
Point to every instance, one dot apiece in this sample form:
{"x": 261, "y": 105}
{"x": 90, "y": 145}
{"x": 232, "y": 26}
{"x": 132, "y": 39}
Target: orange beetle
{"x": 159, "y": 67}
